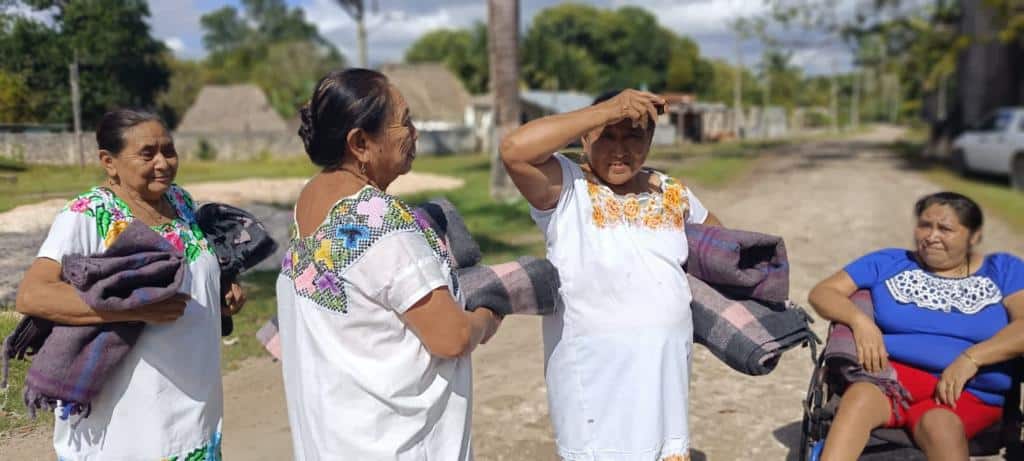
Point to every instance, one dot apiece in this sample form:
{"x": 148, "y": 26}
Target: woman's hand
{"x": 637, "y": 106}
{"x": 165, "y": 311}
{"x": 953, "y": 380}
{"x": 492, "y": 326}
{"x": 871, "y": 351}
{"x": 234, "y": 300}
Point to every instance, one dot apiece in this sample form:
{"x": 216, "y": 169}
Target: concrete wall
{"x": 456, "y": 140}
{"x": 60, "y": 148}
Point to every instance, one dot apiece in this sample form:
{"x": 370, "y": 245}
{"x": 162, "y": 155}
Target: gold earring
{"x": 362, "y": 168}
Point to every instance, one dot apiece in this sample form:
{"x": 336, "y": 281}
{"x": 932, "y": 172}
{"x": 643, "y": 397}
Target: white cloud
{"x": 175, "y": 44}
{"x": 176, "y": 22}
{"x": 389, "y": 31}
{"x": 698, "y": 17}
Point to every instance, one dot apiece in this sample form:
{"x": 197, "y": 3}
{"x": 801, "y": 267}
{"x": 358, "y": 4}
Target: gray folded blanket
{"x": 73, "y": 362}
{"x": 840, "y": 358}
{"x": 741, "y": 264}
{"x": 527, "y": 285}
{"x": 740, "y": 286}
{"x": 748, "y": 335}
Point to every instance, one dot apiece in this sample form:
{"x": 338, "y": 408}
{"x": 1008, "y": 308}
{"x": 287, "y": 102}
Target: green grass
{"x": 13, "y": 415}
{"x": 504, "y": 231}
{"x": 40, "y": 182}
{"x": 261, "y": 305}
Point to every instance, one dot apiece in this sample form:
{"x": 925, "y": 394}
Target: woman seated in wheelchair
{"x": 946, "y": 318}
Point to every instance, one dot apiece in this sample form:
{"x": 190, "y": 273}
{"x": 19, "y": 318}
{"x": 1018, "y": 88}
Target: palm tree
{"x": 503, "y": 40}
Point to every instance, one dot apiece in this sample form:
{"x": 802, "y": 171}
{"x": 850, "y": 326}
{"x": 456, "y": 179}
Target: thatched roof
{"x": 231, "y": 109}
{"x": 433, "y": 93}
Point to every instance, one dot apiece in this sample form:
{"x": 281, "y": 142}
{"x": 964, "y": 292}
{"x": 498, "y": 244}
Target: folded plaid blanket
{"x": 840, "y": 358}
{"x": 741, "y": 264}
{"x": 747, "y": 335}
{"x": 240, "y": 242}
{"x": 527, "y": 285}
{"x": 73, "y": 362}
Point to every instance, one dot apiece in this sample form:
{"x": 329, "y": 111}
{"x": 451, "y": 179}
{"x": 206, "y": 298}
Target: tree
{"x": 121, "y": 62}
{"x": 686, "y": 70}
{"x": 270, "y": 44}
{"x": 503, "y": 21}
{"x": 462, "y": 51}
{"x": 16, "y": 104}
{"x": 306, "y": 64}
{"x": 187, "y": 78}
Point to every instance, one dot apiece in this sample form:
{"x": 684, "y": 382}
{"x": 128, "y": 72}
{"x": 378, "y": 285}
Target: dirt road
{"x": 831, "y": 201}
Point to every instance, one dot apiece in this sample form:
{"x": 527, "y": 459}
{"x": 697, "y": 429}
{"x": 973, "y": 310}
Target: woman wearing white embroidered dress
{"x": 617, "y": 356}
{"x": 164, "y": 400}
{"x": 375, "y": 344}
{"x": 947, "y": 319}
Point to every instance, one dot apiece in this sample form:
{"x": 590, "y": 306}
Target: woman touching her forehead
{"x": 617, "y": 356}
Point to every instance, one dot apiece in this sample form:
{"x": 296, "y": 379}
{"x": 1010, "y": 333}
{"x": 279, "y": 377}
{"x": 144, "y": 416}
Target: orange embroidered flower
{"x": 598, "y": 216}
{"x": 593, "y": 189}
{"x": 614, "y": 210}
{"x": 677, "y": 458}
{"x": 631, "y": 208}
{"x": 675, "y": 217}
{"x": 674, "y": 196}
{"x": 653, "y": 219}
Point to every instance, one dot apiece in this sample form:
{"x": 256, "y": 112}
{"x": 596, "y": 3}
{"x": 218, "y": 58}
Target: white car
{"x": 995, "y": 146}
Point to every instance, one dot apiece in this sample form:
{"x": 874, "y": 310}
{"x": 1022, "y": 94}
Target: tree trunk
{"x": 503, "y": 41}
{"x": 986, "y": 77}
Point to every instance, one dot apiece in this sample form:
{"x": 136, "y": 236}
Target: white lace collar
{"x": 968, "y": 295}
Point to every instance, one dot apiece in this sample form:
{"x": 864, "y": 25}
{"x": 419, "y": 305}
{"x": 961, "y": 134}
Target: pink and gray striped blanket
{"x": 740, "y": 286}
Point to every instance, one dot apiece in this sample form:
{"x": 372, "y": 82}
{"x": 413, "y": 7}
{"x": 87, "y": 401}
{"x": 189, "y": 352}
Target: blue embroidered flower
{"x": 352, "y": 234}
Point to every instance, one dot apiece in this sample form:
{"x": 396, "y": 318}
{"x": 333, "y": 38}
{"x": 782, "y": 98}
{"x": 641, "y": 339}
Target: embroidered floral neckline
{"x": 112, "y": 215}
{"x": 662, "y": 210}
{"x": 317, "y": 262}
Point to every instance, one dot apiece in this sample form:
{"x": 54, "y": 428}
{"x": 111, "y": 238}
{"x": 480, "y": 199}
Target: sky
{"x": 396, "y": 24}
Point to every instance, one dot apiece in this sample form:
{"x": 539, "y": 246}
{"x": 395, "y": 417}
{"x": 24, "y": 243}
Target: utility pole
{"x": 737, "y": 88}
{"x": 357, "y": 10}
{"x": 834, "y": 99}
{"x": 76, "y": 108}
{"x": 855, "y": 100}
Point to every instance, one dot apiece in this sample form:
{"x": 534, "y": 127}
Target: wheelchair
{"x": 822, "y": 402}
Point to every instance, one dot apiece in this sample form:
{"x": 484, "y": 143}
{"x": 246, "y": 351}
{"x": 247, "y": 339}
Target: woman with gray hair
{"x": 164, "y": 399}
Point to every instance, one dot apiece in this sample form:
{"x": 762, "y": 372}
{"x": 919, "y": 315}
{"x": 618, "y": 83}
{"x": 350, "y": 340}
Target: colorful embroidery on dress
{"x": 112, "y": 215}
{"x": 208, "y": 452}
{"x": 665, "y": 210}
{"x": 315, "y": 263}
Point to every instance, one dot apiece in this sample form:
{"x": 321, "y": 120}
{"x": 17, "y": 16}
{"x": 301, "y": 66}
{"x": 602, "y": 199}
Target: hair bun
{"x": 306, "y": 129}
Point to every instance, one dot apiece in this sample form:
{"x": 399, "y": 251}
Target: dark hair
{"x": 113, "y": 124}
{"x": 611, "y": 94}
{"x": 967, "y": 211}
{"x": 342, "y": 101}
{"x": 606, "y": 96}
